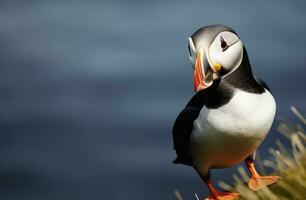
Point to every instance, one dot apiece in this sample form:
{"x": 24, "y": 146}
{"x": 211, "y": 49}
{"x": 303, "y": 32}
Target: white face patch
{"x": 229, "y": 54}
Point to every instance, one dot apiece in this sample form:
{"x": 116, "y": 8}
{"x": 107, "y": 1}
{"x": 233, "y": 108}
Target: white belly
{"x": 225, "y": 136}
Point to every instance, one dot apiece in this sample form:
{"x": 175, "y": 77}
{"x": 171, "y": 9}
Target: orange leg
{"x": 256, "y": 181}
{"x": 216, "y": 195}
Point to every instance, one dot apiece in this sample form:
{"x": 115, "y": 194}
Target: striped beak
{"x": 203, "y": 73}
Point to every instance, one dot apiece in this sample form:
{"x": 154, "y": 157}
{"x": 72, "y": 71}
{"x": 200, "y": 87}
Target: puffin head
{"x": 214, "y": 52}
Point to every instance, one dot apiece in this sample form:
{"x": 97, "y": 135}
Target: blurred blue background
{"x": 90, "y": 90}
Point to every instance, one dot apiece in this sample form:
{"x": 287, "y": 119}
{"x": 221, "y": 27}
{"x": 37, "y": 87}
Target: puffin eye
{"x": 224, "y": 45}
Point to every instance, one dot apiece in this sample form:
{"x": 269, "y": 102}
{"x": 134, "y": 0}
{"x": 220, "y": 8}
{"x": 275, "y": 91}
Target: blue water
{"x": 90, "y": 90}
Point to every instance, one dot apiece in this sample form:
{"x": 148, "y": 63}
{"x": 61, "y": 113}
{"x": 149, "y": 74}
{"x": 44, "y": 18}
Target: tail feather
{"x": 186, "y": 160}
{"x": 176, "y": 161}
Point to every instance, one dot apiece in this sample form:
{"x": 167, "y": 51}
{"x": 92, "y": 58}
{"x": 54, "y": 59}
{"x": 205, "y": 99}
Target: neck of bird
{"x": 242, "y": 78}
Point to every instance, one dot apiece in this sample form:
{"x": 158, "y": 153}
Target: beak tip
{"x": 202, "y": 79}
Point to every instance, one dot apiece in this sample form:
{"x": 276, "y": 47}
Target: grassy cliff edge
{"x": 289, "y": 163}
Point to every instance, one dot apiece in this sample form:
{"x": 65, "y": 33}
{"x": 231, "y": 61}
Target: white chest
{"x": 234, "y": 130}
{"x": 245, "y": 114}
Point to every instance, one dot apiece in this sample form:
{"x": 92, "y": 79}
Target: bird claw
{"x": 258, "y": 182}
{"x": 223, "y": 196}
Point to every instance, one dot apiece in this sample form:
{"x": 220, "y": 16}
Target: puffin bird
{"x": 230, "y": 114}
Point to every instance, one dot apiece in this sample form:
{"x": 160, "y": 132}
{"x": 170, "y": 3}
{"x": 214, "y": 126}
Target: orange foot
{"x": 258, "y": 182}
{"x": 223, "y": 196}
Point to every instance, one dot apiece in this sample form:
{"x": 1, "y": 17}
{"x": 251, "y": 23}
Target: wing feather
{"x": 182, "y": 129}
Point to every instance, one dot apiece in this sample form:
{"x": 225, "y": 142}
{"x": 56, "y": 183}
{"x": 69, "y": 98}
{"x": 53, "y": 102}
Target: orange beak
{"x": 203, "y": 74}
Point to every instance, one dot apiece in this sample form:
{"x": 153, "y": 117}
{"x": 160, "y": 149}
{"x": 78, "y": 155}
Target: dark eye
{"x": 224, "y": 45}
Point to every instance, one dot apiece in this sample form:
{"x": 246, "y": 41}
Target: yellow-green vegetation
{"x": 289, "y": 163}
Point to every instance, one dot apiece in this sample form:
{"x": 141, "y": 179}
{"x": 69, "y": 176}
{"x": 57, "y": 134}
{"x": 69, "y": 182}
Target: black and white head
{"x": 214, "y": 52}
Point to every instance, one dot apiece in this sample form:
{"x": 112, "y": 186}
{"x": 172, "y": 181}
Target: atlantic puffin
{"x": 230, "y": 114}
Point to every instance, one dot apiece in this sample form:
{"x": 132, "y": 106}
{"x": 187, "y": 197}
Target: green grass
{"x": 289, "y": 163}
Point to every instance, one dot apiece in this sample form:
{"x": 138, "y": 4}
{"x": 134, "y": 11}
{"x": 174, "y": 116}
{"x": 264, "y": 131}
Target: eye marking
{"x": 224, "y": 44}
